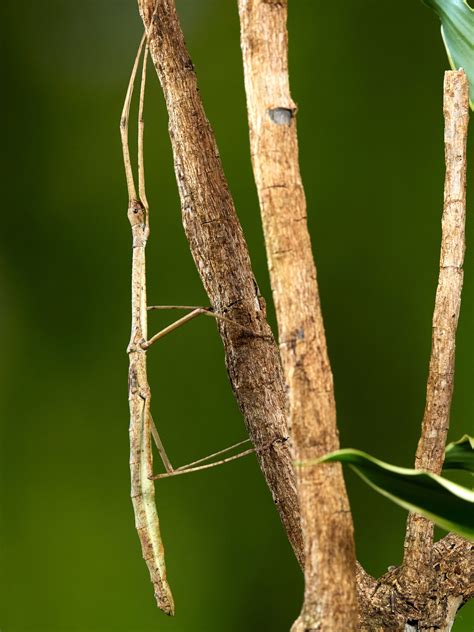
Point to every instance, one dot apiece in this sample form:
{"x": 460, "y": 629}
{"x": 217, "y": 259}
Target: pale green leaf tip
{"x": 457, "y": 31}
{"x": 367, "y": 467}
{"x": 459, "y": 455}
{"x": 464, "y": 439}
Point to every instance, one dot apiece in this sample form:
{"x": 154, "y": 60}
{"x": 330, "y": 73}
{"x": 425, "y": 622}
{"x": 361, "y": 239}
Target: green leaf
{"x": 457, "y": 29}
{"x": 459, "y": 455}
{"x": 447, "y": 504}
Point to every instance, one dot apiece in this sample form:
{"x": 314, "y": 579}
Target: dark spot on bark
{"x": 281, "y": 116}
{"x": 297, "y": 335}
{"x": 189, "y": 64}
{"x": 276, "y": 3}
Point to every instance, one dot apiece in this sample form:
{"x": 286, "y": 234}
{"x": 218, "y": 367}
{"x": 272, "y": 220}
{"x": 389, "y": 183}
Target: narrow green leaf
{"x": 457, "y": 29}
{"x": 449, "y": 505}
{"x": 459, "y": 455}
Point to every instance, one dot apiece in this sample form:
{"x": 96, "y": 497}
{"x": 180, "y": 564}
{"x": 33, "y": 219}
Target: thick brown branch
{"x": 430, "y": 452}
{"x": 330, "y": 588}
{"x": 220, "y": 253}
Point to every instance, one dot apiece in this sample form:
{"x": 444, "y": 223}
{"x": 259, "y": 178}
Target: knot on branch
{"x": 282, "y": 116}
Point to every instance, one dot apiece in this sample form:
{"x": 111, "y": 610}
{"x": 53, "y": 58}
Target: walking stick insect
{"x": 142, "y": 427}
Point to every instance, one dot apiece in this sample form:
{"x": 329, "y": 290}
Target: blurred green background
{"x": 367, "y": 77}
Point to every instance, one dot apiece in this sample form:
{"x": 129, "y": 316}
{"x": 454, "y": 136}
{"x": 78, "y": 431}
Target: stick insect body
{"x": 142, "y": 427}
{"x": 141, "y": 457}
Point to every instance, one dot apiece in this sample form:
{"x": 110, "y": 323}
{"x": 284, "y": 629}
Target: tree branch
{"x": 330, "y": 589}
{"x": 430, "y": 452}
{"x": 220, "y": 253}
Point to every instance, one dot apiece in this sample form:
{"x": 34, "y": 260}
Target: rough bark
{"x": 386, "y": 605}
{"x": 439, "y": 392}
{"x": 330, "y": 601}
{"x": 221, "y": 257}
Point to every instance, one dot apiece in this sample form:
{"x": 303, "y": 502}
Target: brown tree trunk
{"x": 330, "y": 601}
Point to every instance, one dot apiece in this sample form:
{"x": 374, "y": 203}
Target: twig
{"x": 222, "y": 260}
{"x": 430, "y": 452}
{"x": 330, "y": 585}
{"x": 141, "y": 457}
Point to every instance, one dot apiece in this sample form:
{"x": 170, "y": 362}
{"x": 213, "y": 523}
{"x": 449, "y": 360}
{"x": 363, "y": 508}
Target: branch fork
{"x": 323, "y": 543}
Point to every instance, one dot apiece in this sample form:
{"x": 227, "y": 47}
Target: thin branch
{"x": 330, "y": 583}
{"x": 141, "y": 456}
{"x": 430, "y": 452}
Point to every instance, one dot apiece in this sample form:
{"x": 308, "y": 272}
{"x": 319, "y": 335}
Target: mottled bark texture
{"x": 330, "y": 601}
{"x": 439, "y": 392}
{"x": 220, "y": 253}
{"x": 386, "y": 604}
